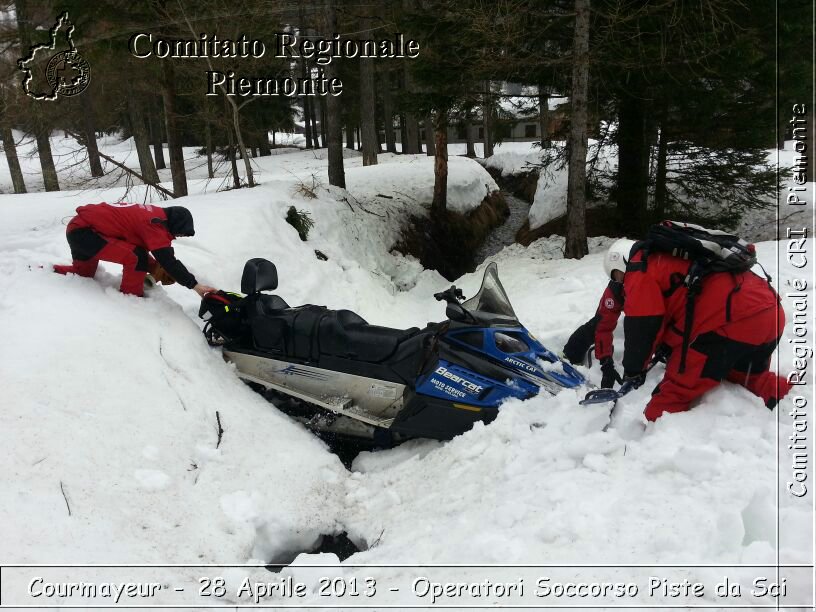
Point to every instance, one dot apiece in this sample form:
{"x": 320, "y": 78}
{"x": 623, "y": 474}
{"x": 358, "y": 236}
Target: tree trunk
{"x": 334, "y": 128}
{"x": 411, "y": 143}
{"x": 471, "y": 141}
{"x": 430, "y": 136}
{"x": 41, "y": 131}
{"x": 660, "y": 175}
{"x": 350, "y": 137}
{"x": 632, "y": 181}
{"x": 486, "y": 113}
{"x": 576, "y": 242}
{"x": 209, "y": 146}
{"x": 236, "y": 179}
{"x": 263, "y": 144}
{"x": 781, "y": 126}
{"x": 307, "y": 122}
{"x": 49, "y": 171}
{"x": 155, "y": 139}
{"x": 324, "y": 134}
{"x": 10, "y": 148}
{"x": 236, "y": 125}
{"x": 440, "y": 190}
{"x": 176, "y": 153}
{"x": 313, "y": 115}
{"x": 633, "y": 158}
{"x": 89, "y": 131}
{"x": 403, "y": 137}
{"x": 154, "y": 126}
{"x": 388, "y": 113}
{"x": 209, "y": 113}
{"x": 307, "y": 115}
{"x": 544, "y": 116}
{"x": 368, "y": 104}
{"x": 141, "y": 140}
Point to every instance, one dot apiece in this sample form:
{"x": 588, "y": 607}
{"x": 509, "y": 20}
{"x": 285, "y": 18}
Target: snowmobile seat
{"x": 259, "y": 275}
{"x": 346, "y": 334}
{"x": 270, "y": 304}
{"x": 288, "y": 331}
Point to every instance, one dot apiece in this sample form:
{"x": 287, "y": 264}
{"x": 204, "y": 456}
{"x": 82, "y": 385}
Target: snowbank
{"x": 514, "y": 158}
{"x": 110, "y": 430}
{"x": 407, "y": 175}
{"x": 550, "y": 201}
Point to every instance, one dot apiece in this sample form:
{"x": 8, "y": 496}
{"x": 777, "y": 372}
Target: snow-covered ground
{"x": 550, "y": 200}
{"x": 111, "y": 407}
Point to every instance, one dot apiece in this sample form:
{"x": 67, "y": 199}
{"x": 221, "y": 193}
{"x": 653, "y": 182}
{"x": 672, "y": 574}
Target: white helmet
{"x": 617, "y": 256}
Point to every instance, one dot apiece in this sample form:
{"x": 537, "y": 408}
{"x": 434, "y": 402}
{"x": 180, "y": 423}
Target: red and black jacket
{"x": 142, "y": 225}
{"x": 656, "y": 300}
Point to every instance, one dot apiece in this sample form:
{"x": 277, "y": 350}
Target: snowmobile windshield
{"x": 491, "y": 304}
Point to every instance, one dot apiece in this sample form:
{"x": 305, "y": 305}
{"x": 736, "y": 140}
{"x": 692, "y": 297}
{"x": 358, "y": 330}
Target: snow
{"x": 111, "y": 406}
{"x": 514, "y": 158}
{"x": 762, "y": 224}
{"x": 550, "y": 200}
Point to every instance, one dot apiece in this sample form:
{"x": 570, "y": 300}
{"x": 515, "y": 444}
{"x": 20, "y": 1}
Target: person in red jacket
{"x": 599, "y": 329}
{"x": 124, "y": 234}
{"x": 737, "y": 323}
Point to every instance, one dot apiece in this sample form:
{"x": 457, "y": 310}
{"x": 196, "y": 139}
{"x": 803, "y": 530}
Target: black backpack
{"x": 223, "y": 316}
{"x": 708, "y": 250}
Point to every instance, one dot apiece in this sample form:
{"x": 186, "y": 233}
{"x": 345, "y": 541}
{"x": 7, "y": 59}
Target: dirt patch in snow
{"x": 447, "y": 242}
{"x": 522, "y": 185}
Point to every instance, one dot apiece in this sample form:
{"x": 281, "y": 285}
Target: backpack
{"x": 708, "y": 250}
{"x": 221, "y": 311}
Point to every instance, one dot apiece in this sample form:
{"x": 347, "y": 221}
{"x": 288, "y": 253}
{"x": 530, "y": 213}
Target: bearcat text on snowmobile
{"x": 340, "y": 374}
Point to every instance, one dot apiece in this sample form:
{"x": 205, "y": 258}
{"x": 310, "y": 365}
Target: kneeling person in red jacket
{"x": 737, "y": 323}
{"x": 123, "y": 234}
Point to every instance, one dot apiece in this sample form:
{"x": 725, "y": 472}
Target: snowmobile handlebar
{"x": 452, "y": 295}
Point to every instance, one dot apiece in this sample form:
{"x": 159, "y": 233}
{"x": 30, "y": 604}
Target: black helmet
{"x": 179, "y": 221}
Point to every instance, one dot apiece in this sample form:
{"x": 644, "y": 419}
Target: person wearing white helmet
{"x": 616, "y": 259}
{"x": 599, "y": 329}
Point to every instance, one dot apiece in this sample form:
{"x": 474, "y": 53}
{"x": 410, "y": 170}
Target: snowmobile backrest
{"x": 259, "y": 275}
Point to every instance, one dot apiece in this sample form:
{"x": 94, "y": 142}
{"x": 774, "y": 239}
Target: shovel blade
{"x": 600, "y": 396}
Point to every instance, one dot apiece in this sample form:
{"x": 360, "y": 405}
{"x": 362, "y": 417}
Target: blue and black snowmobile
{"x": 341, "y": 375}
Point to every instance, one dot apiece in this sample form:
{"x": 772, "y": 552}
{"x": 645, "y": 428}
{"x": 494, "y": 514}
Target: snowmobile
{"x": 339, "y": 374}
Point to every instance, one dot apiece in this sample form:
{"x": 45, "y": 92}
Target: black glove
{"x": 610, "y": 374}
{"x": 635, "y": 379}
{"x": 662, "y": 353}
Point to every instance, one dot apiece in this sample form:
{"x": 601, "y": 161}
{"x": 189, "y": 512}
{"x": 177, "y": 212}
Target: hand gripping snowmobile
{"x": 342, "y": 375}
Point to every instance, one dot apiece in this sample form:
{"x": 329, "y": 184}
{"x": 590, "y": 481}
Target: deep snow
{"x": 113, "y": 400}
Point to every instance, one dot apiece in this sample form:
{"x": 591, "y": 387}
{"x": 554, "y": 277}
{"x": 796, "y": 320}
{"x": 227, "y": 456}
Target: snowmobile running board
{"x": 337, "y": 405}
